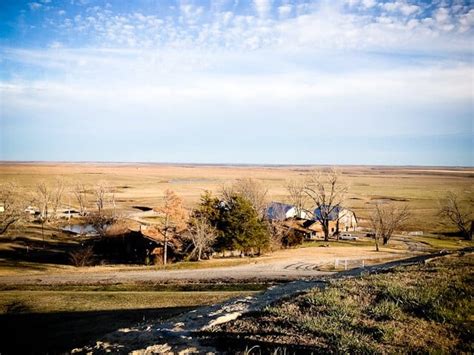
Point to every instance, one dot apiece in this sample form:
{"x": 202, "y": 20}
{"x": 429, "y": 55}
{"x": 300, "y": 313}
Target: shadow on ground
{"x": 54, "y": 333}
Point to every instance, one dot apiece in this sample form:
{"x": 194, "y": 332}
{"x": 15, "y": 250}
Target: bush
{"x": 82, "y": 257}
{"x": 292, "y": 239}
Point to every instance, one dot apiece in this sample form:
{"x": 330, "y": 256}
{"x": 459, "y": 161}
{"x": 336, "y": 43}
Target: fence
{"x": 348, "y": 263}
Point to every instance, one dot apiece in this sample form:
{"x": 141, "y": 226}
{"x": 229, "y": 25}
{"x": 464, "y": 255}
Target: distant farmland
{"x": 144, "y": 184}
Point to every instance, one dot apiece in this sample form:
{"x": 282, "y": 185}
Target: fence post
{"x": 363, "y": 263}
{"x": 345, "y": 264}
{"x": 336, "y": 263}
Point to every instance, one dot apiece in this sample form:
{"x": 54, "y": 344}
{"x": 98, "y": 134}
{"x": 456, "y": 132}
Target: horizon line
{"x": 228, "y": 164}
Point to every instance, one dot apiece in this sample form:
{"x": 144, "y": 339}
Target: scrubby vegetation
{"x": 426, "y": 308}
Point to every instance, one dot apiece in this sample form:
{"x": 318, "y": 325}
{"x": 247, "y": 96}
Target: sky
{"x": 232, "y": 81}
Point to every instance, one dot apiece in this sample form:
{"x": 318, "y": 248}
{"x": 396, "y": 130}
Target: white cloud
{"x": 34, "y": 6}
{"x": 369, "y": 3}
{"x": 262, "y": 7}
{"x": 442, "y": 15}
{"x": 466, "y": 21}
{"x": 284, "y": 10}
{"x": 405, "y": 8}
{"x": 326, "y": 25}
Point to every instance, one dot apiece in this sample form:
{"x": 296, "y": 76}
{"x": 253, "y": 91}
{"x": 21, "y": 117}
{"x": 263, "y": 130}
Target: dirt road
{"x": 181, "y": 334}
{"x": 285, "y": 265}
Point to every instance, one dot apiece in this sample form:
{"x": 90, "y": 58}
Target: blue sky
{"x": 229, "y": 81}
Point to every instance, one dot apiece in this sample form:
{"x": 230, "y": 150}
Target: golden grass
{"x": 144, "y": 184}
{"x": 80, "y": 301}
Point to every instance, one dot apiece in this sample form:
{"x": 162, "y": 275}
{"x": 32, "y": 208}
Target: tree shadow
{"x": 60, "y": 332}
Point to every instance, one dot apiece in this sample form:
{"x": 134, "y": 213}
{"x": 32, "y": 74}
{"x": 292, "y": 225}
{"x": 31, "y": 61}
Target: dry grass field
{"x": 144, "y": 184}
{"x": 98, "y": 311}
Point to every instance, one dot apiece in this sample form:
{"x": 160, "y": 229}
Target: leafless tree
{"x": 458, "y": 213}
{"x": 11, "y": 206}
{"x": 101, "y": 195}
{"x": 252, "y": 190}
{"x": 327, "y": 192}
{"x": 297, "y": 195}
{"x": 43, "y": 197}
{"x": 385, "y": 219}
{"x": 56, "y": 196}
{"x": 49, "y": 198}
{"x": 175, "y": 218}
{"x": 202, "y": 236}
{"x": 80, "y": 193}
{"x": 277, "y": 232}
{"x": 101, "y": 222}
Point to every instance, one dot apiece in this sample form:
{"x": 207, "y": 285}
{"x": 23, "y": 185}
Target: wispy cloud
{"x": 356, "y": 67}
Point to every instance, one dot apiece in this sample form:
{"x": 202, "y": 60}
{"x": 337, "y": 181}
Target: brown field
{"x": 144, "y": 184}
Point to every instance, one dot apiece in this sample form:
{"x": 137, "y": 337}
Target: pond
{"x": 80, "y": 229}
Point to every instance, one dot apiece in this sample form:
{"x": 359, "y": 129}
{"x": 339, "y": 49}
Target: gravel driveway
{"x": 286, "y": 265}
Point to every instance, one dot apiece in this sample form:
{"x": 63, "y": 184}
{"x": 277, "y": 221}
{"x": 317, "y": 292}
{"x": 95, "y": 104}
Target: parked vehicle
{"x": 348, "y": 236}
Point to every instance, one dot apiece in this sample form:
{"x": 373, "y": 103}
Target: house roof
{"x": 319, "y": 212}
{"x": 277, "y": 210}
{"x": 297, "y": 224}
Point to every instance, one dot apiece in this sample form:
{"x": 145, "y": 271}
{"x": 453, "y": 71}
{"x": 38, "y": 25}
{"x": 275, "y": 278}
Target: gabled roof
{"x": 333, "y": 215}
{"x": 278, "y": 210}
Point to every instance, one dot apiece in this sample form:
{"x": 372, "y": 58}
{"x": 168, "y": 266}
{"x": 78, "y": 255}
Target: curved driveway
{"x": 282, "y": 265}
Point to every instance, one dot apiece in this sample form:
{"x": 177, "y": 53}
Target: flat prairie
{"x": 143, "y": 184}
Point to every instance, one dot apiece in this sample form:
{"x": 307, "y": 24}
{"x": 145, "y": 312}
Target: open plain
{"x": 144, "y": 184}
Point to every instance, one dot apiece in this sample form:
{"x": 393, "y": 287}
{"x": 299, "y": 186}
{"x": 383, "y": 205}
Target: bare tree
{"x": 277, "y": 232}
{"x": 11, "y": 206}
{"x": 80, "y": 193}
{"x": 202, "y": 236}
{"x": 43, "y": 197}
{"x": 56, "y": 196}
{"x": 102, "y": 222}
{"x": 49, "y": 198}
{"x": 101, "y": 195}
{"x": 458, "y": 213}
{"x": 385, "y": 219}
{"x": 175, "y": 217}
{"x": 327, "y": 192}
{"x": 252, "y": 190}
{"x": 297, "y": 195}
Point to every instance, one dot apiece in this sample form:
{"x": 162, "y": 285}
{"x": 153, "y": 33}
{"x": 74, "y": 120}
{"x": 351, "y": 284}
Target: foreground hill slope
{"x": 420, "y": 308}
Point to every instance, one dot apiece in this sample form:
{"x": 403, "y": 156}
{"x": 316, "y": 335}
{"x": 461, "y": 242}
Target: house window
{"x": 332, "y": 229}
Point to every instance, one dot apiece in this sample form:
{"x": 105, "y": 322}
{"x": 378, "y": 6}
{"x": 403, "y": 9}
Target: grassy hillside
{"x": 426, "y": 308}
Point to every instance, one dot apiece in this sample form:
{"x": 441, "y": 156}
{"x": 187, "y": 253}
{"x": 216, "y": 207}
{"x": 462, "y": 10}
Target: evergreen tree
{"x": 237, "y": 223}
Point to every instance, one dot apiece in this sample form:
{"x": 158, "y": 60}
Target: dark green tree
{"x": 237, "y": 223}
{"x": 242, "y": 228}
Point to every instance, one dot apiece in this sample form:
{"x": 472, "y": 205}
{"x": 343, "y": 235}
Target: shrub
{"x": 82, "y": 257}
{"x": 291, "y": 239}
